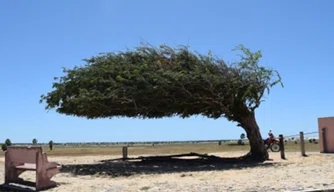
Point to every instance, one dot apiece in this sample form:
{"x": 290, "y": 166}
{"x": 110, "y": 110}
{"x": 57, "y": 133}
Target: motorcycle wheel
{"x": 275, "y": 147}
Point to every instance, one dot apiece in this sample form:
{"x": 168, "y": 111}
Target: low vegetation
{"x": 159, "y": 149}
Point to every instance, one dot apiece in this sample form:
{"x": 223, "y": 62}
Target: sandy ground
{"x": 294, "y": 174}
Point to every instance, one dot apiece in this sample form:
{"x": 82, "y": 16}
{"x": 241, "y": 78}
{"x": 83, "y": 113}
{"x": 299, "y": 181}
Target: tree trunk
{"x": 257, "y": 149}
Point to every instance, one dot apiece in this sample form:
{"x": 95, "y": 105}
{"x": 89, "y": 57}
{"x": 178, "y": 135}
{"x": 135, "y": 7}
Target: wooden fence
{"x": 281, "y": 143}
{"x": 302, "y": 145}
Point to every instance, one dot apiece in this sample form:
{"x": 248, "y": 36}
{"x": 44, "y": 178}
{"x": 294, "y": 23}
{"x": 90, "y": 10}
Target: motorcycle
{"x": 273, "y": 145}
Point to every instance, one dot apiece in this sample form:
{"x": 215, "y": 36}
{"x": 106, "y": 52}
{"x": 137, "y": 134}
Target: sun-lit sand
{"x": 295, "y": 173}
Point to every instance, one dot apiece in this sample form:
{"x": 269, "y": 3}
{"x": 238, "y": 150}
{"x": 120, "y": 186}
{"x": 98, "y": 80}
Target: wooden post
{"x": 324, "y": 142}
{"x": 125, "y": 152}
{"x": 302, "y": 143}
{"x": 281, "y": 144}
{"x": 220, "y": 143}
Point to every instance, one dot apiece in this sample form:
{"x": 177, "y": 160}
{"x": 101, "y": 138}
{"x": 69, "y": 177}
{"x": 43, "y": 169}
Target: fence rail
{"x": 309, "y": 133}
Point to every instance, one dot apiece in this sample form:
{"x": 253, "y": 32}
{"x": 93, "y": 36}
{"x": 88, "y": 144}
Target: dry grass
{"x": 140, "y": 149}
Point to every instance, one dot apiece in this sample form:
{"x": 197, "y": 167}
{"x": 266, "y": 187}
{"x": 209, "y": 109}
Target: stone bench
{"x": 19, "y": 159}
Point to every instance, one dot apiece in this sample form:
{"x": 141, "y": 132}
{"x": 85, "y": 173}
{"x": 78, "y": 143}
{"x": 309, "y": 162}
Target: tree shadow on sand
{"x": 161, "y": 164}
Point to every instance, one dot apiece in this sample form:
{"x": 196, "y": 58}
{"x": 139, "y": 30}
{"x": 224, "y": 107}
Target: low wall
{"x": 326, "y": 139}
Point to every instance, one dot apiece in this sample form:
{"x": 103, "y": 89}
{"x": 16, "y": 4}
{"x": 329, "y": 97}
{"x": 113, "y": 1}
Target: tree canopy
{"x": 34, "y": 141}
{"x": 156, "y": 82}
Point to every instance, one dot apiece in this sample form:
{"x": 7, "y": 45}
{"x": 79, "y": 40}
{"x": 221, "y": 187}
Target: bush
{"x": 4, "y": 147}
{"x": 240, "y": 142}
{"x": 34, "y": 141}
{"x": 8, "y": 142}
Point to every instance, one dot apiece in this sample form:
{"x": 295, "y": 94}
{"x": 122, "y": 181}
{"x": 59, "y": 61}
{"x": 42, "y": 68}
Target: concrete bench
{"x": 19, "y": 159}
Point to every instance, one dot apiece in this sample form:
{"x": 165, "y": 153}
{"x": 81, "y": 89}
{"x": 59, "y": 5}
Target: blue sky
{"x": 38, "y": 38}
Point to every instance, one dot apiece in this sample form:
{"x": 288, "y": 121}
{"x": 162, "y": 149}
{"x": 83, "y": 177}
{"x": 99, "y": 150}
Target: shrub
{"x": 240, "y": 142}
{"x": 34, "y": 141}
{"x": 4, "y": 147}
{"x": 8, "y": 142}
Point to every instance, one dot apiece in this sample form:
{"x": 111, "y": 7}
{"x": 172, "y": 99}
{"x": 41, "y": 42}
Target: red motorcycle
{"x": 272, "y": 144}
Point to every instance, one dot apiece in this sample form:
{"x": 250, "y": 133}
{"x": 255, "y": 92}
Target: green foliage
{"x": 156, "y": 82}
{"x": 34, "y": 141}
{"x": 4, "y": 147}
{"x": 8, "y": 142}
{"x": 242, "y": 136}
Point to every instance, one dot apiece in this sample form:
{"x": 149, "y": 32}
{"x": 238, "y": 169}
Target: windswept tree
{"x": 157, "y": 82}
